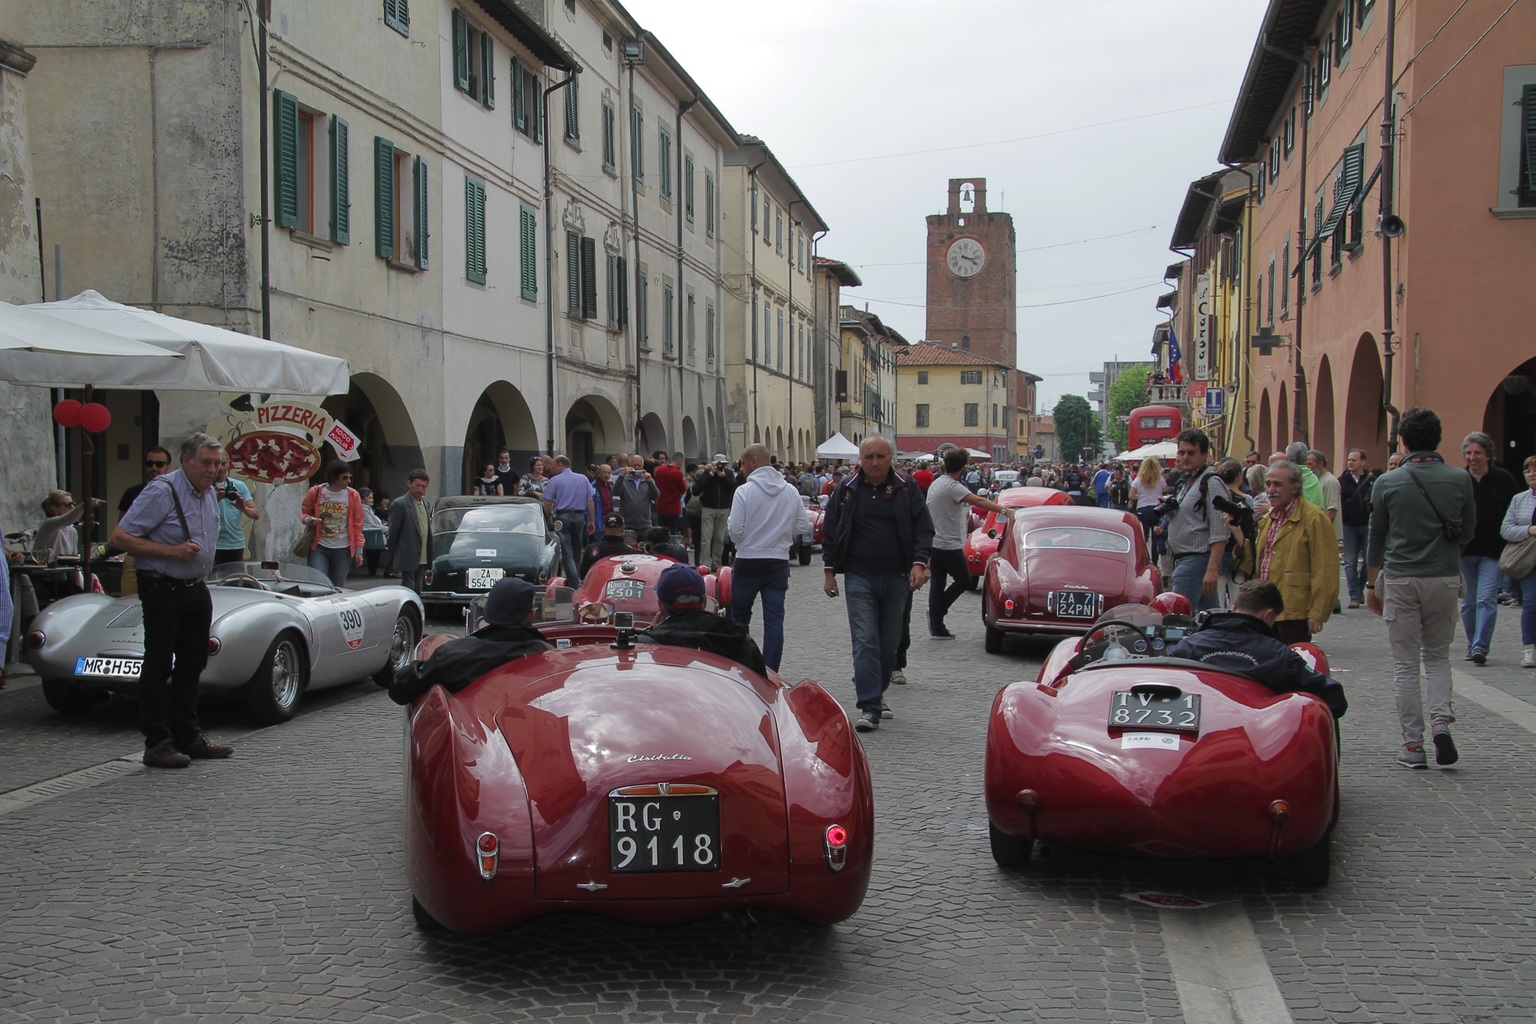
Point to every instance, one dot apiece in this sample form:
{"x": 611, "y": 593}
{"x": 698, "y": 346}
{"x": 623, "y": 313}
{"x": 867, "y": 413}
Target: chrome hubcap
{"x": 285, "y": 674}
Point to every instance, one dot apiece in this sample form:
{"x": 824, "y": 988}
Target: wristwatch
{"x": 1370, "y": 586}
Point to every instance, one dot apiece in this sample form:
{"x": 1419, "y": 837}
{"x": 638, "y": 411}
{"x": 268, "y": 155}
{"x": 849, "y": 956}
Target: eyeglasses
{"x": 63, "y": 504}
{"x": 155, "y": 464}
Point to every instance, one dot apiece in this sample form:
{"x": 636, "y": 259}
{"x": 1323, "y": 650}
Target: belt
{"x": 172, "y": 581}
{"x": 572, "y": 512}
{"x": 1191, "y": 554}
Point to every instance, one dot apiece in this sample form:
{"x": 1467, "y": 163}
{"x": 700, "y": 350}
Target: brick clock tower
{"x": 973, "y": 283}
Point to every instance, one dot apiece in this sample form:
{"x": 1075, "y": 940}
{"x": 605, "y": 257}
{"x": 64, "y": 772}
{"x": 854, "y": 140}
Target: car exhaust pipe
{"x": 1029, "y": 801}
{"x": 1279, "y": 814}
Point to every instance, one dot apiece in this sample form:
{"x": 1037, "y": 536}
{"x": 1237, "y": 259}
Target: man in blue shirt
{"x": 568, "y": 497}
{"x": 1101, "y": 486}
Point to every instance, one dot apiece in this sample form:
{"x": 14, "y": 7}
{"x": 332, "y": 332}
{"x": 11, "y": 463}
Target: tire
{"x": 975, "y": 583}
{"x": 68, "y": 699}
{"x": 805, "y": 553}
{"x": 1311, "y": 867}
{"x": 425, "y": 921}
{"x": 992, "y": 638}
{"x": 1009, "y": 851}
{"x": 273, "y": 693}
{"x": 402, "y": 641}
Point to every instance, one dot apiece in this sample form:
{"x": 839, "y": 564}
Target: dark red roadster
{"x": 1120, "y": 749}
{"x": 1059, "y": 568}
{"x": 644, "y": 782}
{"x": 981, "y": 542}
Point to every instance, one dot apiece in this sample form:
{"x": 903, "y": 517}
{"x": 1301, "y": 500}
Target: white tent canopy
{"x": 837, "y": 447}
{"x": 43, "y": 351}
{"x": 215, "y": 359}
{"x": 1160, "y": 450}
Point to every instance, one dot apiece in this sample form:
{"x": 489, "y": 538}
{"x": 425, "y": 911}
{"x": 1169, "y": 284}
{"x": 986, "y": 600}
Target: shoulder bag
{"x": 306, "y": 539}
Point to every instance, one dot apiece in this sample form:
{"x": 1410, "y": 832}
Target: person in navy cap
{"x": 612, "y": 542}
{"x": 684, "y": 622}
{"x": 506, "y": 635}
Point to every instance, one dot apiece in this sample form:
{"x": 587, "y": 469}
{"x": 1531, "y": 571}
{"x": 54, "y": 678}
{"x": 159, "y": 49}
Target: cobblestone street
{"x": 271, "y": 887}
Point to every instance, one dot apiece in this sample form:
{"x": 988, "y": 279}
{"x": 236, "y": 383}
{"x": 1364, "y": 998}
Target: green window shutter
{"x": 420, "y": 169}
{"x": 397, "y": 15}
{"x": 341, "y": 210}
{"x": 637, "y": 143}
{"x": 474, "y": 231}
{"x": 572, "y": 111}
{"x": 589, "y": 278}
{"x": 709, "y": 205}
{"x": 519, "y": 97}
{"x": 285, "y": 159}
{"x": 664, "y": 163}
{"x": 460, "y": 50}
{"x": 573, "y": 273}
{"x": 608, "y": 153}
{"x": 621, "y": 274}
{"x": 612, "y": 284}
{"x": 640, "y": 310}
{"x": 384, "y": 197}
{"x": 1528, "y": 121}
{"x": 666, "y": 319}
{"x": 528, "y": 253}
{"x": 536, "y": 114}
{"x": 688, "y": 187}
{"x": 488, "y": 68}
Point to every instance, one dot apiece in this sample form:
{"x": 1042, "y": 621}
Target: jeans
{"x": 877, "y": 608}
{"x": 334, "y": 562}
{"x": 712, "y": 539}
{"x": 1102, "y": 498}
{"x": 769, "y": 577}
{"x": 946, "y": 564}
{"x": 1420, "y": 612}
{"x": 1479, "y": 605}
{"x": 1355, "y": 539}
{"x": 1189, "y": 580}
{"x": 573, "y": 537}
{"x": 1527, "y": 591}
{"x": 177, "y": 621}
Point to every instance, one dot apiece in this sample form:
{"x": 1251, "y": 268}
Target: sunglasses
{"x": 64, "y": 504}
{"x": 155, "y": 464}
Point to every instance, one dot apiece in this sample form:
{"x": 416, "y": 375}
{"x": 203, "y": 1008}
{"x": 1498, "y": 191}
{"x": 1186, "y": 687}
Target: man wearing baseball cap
{"x": 683, "y": 621}
{"x": 610, "y": 543}
{"x": 507, "y": 634}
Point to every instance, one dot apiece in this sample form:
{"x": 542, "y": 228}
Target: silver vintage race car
{"x": 278, "y": 630}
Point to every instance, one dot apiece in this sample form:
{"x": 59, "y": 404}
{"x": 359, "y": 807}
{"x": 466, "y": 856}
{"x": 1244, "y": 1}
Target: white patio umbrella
{"x": 43, "y": 351}
{"x": 837, "y": 447}
{"x": 216, "y": 359}
{"x": 1160, "y": 450}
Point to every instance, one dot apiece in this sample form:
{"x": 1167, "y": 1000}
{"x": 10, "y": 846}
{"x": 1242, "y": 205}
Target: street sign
{"x": 1215, "y": 402}
{"x": 1197, "y": 391}
{"x": 1204, "y": 328}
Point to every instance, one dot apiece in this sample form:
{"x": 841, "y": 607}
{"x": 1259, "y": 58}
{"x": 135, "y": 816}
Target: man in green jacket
{"x": 1421, "y": 515}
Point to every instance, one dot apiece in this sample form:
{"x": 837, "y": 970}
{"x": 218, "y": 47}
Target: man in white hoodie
{"x": 766, "y": 515}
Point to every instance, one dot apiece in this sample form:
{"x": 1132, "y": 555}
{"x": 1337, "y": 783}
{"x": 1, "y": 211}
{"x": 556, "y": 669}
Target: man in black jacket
{"x": 507, "y": 635}
{"x": 612, "y": 542}
{"x": 1244, "y": 640}
{"x": 683, "y": 622}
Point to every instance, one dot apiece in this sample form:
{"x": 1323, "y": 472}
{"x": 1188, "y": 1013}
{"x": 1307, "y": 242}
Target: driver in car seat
{"x": 507, "y": 635}
{"x": 1244, "y": 640}
{"x": 683, "y": 622}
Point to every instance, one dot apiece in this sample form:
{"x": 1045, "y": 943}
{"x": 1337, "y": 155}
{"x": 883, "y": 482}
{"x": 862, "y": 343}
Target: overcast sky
{"x": 1088, "y": 120}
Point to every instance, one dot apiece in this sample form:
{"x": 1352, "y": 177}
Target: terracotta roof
{"x": 932, "y": 353}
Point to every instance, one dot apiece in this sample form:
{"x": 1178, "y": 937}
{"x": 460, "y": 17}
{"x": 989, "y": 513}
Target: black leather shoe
{"x": 165, "y": 755}
{"x": 203, "y": 750}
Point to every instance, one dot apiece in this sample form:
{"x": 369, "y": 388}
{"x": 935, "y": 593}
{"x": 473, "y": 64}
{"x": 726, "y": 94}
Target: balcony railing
{"x": 1168, "y": 394}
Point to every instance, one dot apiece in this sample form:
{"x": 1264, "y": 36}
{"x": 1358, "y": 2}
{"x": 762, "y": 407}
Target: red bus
{"x": 1151, "y": 424}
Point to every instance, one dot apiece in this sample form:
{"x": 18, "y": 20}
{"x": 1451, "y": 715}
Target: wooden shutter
{"x": 688, "y": 186}
{"x": 536, "y": 115}
{"x": 519, "y": 97}
{"x": 589, "y": 279}
{"x": 709, "y": 333}
{"x": 641, "y": 311}
{"x": 637, "y": 143}
{"x": 622, "y": 272}
{"x": 528, "y": 254}
{"x": 611, "y": 265}
{"x": 341, "y": 210}
{"x": 573, "y": 273}
{"x": 608, "y": 155}
{"x": 397, "y": 15}
{"x": 460, "y": 50}
{"x": 384, "y": 197}
{"x": 285, "y": 159}
{"x": 474, "y": 231}
{"x": 709, "y": 205}
{"x": 572, "y": 111}
{"x": 666, "y": 319}
{"x": 420, "y": 168}
{"x": 488, "y": 69}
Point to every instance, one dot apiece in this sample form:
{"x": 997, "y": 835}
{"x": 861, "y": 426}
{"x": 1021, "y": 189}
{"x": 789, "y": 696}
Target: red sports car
{"x": 627, "y": 583}
{"x": 981, "y": 542}
{"x": 1059, "y": 569}
{"x": 1120, "y": 749}
{"x": 648, "y": 783}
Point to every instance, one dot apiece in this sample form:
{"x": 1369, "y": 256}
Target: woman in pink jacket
{"x": 337, "y": 512}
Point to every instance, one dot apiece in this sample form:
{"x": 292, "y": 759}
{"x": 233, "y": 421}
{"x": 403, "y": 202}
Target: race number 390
{"x": 351, "y": 622}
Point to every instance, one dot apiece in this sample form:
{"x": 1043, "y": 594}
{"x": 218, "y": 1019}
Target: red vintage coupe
{"x": 643, "y": 782}
{"x": 627, "y": 583}
{"x": 981, "y": 542}
{"x": 1120, "y": 749}
{"x": 1059, "y": 568}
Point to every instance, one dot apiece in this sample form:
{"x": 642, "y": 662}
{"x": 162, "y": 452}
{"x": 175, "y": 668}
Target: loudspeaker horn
{"x": 1390, "y": 225}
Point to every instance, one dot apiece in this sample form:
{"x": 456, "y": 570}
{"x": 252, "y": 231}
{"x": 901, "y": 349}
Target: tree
{"x": 1078, "y": 434}
{"x": 1127, "y": 392}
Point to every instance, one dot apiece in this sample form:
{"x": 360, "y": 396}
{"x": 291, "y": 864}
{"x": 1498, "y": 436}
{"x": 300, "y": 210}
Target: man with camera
{"x": 1295, "y": 549}
{"x": 1197, "y": 537}
{"x": 714, "y": 484}
{"x": 235, "y": 505}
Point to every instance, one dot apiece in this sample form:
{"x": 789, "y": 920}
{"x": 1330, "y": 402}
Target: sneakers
{"x": 869, "y": 720}
{"x": 203, "y": 750}
{"x": 1445, "y": 747}
{"x": 1479, "y": 657}
{"x": 1412, "y": 756}
{"x": 899, "y": 677}
{"x": 1354, "y": 602}
{"x": 165, "y": 755}
{"x": 1528, "y": 657}
{"x": 885, "y": 710}
{"x": 941, "y": 634}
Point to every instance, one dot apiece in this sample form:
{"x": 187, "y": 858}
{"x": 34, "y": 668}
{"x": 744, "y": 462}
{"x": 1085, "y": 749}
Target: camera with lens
{"x": 1240, "y": 513}
{"x": 1168, "y": 506}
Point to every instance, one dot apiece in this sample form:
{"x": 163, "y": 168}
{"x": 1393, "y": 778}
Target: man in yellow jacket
{"x": 1295, "y": 548}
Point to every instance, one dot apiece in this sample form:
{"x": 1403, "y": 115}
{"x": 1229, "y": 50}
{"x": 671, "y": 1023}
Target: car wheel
{"x": 402, "y": 642}
{"x": 805, "y": 553}
{"x": 68, "y": 699}
{"x": 975, "y": 583}
{"x": 1009, "y": 851}
{"x": 425, "y": 921}
{"x": 992, "y": 638}
{"x": 273, "y": 693}
{"x": 1311, "y": 867}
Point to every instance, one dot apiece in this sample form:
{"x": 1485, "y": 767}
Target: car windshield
{"x": 270, "y": 572}
{"x": 1077, "y": 538}
{"x": 1137, "y": 615}
{"x": 500, "y": 529}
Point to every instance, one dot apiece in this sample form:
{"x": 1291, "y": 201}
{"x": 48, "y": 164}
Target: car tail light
{"x": 488, "y": 853}
{"x": 426, "y": 578}
{"x": 215, "y": 645}
{"x": 1008, "y": 606}
{"x": 36, "y": 639}
{"x": 836, "y": 840}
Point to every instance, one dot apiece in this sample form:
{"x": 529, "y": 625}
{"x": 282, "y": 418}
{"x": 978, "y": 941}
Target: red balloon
{"x": 95, "y": 417}
{"x": 67, "y": 413}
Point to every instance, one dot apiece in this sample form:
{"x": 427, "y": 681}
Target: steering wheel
{"x": 1128, "y": 635}
{"x": 242, "y": 579}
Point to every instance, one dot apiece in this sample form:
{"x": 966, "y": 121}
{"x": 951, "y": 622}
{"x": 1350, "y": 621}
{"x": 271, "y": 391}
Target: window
{"x": 1344, "y": 27}
{"x": 1274, "y": 159}
{"x": 1324, "y": 65}
{"x": 637, "y": 143}
{"x": 800, "y": 249}
{"x": 753, "y": 204}
{"x": 1269, "y": 306}
{"x": 767, "y": 208}
{"x": 400, "y": 205}
{"x": 527, "y": 253}
{"x": 1259, "y": 179}
{"x": 473, "y": 60}
{"x": 618, "y": 294}
{"x": 298, "y": 133}
{"x": 970, "y": 376}
{"x": 474, "y": 230}
{"x": 994, "y": 414}
{"x": 580, "y": 276}
{"x": 1362, "y": 8}
{"x": 754, "y": 327}
{"x": 1311, "y": 88}
{"x": 666, "y": 320}
{"x": 688, "y": 187}
{"x": 709, "y": 205}
{"x": 779, "y": 363}
{"x": 572, "y": 111}
{"x": 1290, "y": 131}
{"x": 690, "y": 324}
{"x": 1285, "y": 278}
{"x": 922, "y": 376}
{"x": 709, "y": 332}
{"x": 1317, "y": 251}
{"x": 1517, "y": 141}
{"x": 922, "y": 416}
{"x": 397, "y": 15}
{"x": 527, "y": 104}
{"x": 664, "y": 164}
{"x": 778, "y": 232}
{"x": 1346, "y": 185}
{"x": 973, "y": 414}
{"x": 641, "y": 310}
{"x": 608, "y": 150}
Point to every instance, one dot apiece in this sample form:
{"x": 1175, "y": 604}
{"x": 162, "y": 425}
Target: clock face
{"x": 966, "y": 257}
